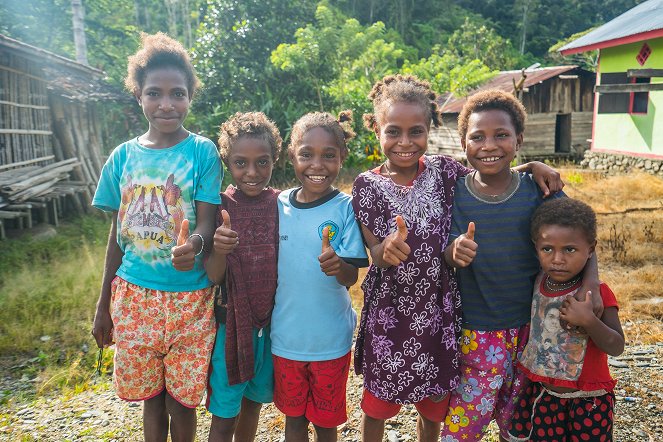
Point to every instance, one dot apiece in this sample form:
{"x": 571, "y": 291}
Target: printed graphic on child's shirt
{"x": 333, "y": 229}
{"x": 151, "y": 215}
{"x": 553, "y": 352}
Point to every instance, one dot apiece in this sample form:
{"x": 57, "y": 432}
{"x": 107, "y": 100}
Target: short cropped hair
{"x": 492, "y": 99}
{"x": 249, "y": 124}
{"x": 565, "y": 212}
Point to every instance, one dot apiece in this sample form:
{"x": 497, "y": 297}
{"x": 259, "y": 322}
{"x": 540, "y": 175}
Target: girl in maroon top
{"x": 572, "y": 396}
{"x": 244, "y": 263}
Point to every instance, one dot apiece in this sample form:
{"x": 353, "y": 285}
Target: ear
{"x": 592, "y": 248}
{"x": 519, "y": 140}
{"x": 138, "y": 94}
{"x": 291, "y": 155}
{"x": 462, "y": 143}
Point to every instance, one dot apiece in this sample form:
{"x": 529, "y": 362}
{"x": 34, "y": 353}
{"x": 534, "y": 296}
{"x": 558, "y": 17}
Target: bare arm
{"x": 606, "y": 332}
{"x": 102, "y": 327}
{"x": 390, "y": 252}
{"x": 225, "y": 241}
{"x": 548, "y": 179}
{"x": 184, "y": 254}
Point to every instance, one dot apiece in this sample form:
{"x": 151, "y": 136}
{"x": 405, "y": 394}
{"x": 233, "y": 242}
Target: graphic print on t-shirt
{"x": 151, "y": 215}
{"x": 333, "y": 229}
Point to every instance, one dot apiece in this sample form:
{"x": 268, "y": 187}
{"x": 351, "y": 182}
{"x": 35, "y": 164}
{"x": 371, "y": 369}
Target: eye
{"x": 570, "y": 249}
{"x": 391, "y": 132}
{"x": 263, "y": 162}
{"x": 546, "y": 249}
{"x": 330, "y": 155}
{"x": 305, "y": 155}
{"x": 417, "y": 131}
{"x": 240, "y": 163}
{"x": 502, "y": 136}
{"x": 152, "y": 94}
{"x": 180, "y": 94}
{"x": 476, "y": 138}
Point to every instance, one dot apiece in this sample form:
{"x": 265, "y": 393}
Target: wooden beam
{"x": 26, "y": 162}
{"x": 644, "y": 73}
{"x": 29, "y": 106}
{"x": 625, "y": 88}
{"x": 25, "y": 132}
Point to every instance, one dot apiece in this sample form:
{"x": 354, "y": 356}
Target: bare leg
{"x": 296, "y": 429}
{"x": 155, "y": 419}
{"x": 427, "y": 431}
{"x": 182, "y": 421}
{"x": 372, "y": 430}
{"x": 247, "y": 421}
{"x": 222, "y": 429}
{"x": 325, "y": 434}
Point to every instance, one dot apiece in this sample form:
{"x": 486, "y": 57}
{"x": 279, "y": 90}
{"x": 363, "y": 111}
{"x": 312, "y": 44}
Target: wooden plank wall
{"x": 25, "y": 118}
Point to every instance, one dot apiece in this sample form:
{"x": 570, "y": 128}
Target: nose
{"x": 252, "y": 170}
{"x": 165, "y": 104}
{"x": 558, "y": 258}
{"x": 404, "y": 140}
{"x": 489, "y": 144}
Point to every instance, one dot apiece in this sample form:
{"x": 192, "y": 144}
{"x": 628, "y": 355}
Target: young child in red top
{"x": 571, "y": 397}
{"x": 243, "y": 262}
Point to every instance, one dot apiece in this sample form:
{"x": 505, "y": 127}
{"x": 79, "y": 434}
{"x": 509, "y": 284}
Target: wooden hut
{"x": 628, "y": 125}
{"x": 559, "y": 103}
{"x": 51, "y": 132}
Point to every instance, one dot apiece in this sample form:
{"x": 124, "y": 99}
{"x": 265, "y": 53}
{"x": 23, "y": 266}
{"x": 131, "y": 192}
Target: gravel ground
{"x": 100, "y": 416}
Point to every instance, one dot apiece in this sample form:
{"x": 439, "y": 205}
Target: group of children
{"x": 456, "y": 298}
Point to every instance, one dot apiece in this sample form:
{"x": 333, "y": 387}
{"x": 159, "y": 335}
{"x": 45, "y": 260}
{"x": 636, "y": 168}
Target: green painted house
{"x": 628, "y": 104}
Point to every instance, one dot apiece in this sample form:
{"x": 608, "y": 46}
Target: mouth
{"x": 252, "y": 184}
{"x": 490, "y": 160}
{"x": 404, "y": 154}
{"x": 317, "y": 179}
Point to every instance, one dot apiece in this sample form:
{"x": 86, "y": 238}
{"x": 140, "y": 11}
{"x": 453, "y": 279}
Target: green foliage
{"x": 587, "y": 60}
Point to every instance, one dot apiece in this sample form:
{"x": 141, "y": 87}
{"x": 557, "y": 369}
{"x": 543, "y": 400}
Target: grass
{"x": 50, "y": 287}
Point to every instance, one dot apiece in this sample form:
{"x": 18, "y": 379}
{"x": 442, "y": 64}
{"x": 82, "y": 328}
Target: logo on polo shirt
{"x": 333, "y": 230}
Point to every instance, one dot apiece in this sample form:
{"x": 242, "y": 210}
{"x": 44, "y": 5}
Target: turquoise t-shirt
{"x": 313, "y": 319}
{"x": 152, "y": 191}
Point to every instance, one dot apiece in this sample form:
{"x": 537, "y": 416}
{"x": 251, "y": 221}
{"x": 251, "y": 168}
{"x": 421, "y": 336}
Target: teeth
{"x": 490, "y": 159}
{"x": 317, "y": 178}
{"x": 251, "y": 184}
{"x": 404, "y": 154}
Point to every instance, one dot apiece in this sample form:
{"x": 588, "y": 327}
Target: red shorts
{"x": 315, "y": 390}
{"x": 433, "y": 410}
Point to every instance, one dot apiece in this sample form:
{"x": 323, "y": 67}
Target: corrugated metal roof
{"x": 504, "y": 81}
{"x": 645, "y": 17}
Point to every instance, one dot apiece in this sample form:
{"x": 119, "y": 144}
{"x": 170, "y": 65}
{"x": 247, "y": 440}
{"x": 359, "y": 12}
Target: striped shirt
{"x": 496, "y": 289}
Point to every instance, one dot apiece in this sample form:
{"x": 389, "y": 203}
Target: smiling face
{"x": 165, "y": 101}
{"x": 403, "y": 134}
{"x": 491, "y": 142}
{"x": 250, "y": 164}
{"x": 562, "y": 251}
{"x": 317, "y": 161}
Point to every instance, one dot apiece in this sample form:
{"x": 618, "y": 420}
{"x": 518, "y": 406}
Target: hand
{"x": 548, "y": 179}
{"x": 102, "y": 329}
{"x": 225, "y": 239}
{"x": 597, "y": 301}
{"x": 330, "y": 263}
{"x": 577, "y": 313}
{"x": 183, "y": 254}
{"x": 395, "y": 249}
{"x": 464, "y": 249}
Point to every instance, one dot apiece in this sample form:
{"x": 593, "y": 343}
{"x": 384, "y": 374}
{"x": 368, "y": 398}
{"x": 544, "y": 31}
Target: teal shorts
{"x": 225, "y": 400}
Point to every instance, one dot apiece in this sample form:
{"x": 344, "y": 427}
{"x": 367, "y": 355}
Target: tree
{"x": 78, "y": 19}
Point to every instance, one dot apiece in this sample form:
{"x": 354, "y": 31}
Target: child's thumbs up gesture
{"x": 577, "y": 313}
{"x": 183, "y": 255}
{"x": 330, "y": 263}
{"x": 395, "y": 249}
{"x": 225, "y": 239}
{"x": 462, "y": 251}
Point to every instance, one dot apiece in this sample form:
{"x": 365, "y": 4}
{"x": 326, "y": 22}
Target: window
{"x": 614, "y": 103}
{"x": 643, "y": 55}
{"x": 639, "y": 100}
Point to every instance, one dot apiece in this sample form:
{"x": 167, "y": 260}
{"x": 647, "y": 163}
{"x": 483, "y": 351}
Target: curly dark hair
{"x": 565, "y": 212}
{"x": 402, "y": 88}
{"x": 340, "y": 129}
{"x": 492, "y": 99}
{"x": 249, "y": 124}
{"x": 159, "y": 51}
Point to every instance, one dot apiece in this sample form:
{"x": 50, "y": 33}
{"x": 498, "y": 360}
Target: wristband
{"x": 202, "y": 242}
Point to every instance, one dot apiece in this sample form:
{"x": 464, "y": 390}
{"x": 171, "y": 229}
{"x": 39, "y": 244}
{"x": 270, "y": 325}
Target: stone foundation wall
{"x": 621, "y": 163}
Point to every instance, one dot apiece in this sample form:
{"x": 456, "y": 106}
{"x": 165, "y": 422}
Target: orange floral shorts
{"x": 162, "y": 340}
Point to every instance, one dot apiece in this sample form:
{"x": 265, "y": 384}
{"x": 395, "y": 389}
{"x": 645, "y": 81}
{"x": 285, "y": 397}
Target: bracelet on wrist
{"x": 202, "y": 242}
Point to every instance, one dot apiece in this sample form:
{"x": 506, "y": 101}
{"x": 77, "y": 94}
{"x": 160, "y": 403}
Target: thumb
{"x": 184, "y": 232}
{"x": 588, "y": 297}
{"x": 470, "y": 231}
{"x": 325, "y": 238}
{"x": 226, "y": 219}
{"x": 402, "y": 228}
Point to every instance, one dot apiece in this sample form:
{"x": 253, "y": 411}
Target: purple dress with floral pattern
{"x": 407, "y": 346}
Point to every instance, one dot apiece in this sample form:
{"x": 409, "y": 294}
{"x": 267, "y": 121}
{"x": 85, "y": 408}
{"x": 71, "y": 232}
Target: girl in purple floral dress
{"x": 407, "y": 346}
